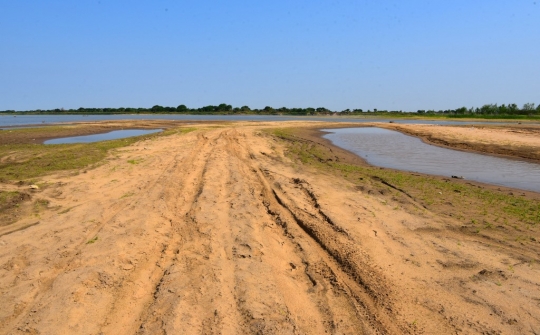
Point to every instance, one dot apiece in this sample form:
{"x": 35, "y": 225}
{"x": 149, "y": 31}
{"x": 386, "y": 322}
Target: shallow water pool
{"x": 392, "y": 149}
{"x": 113, "y": 135}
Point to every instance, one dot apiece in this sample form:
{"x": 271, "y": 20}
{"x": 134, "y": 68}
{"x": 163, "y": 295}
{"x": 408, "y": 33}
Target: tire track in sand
{"x": 197, "y": 257}
{"x": 72, "y": 257}
{"x": 350, "y": 270}
{"x": 243, "y": 252}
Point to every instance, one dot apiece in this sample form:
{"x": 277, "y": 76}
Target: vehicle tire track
{"x": 350, "y": 269}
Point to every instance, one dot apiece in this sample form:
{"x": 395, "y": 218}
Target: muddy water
{"x": 113, "y": 135}
{"x": 392, "y": 149}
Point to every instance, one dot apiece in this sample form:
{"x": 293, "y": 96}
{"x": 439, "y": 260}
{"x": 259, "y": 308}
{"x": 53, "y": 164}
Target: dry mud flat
{"x": 218, "y": 232}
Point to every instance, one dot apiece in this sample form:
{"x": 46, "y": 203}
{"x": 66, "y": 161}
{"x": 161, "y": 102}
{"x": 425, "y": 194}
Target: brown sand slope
{"x": 218, "y": 232}
{"x": 517, "y": 141}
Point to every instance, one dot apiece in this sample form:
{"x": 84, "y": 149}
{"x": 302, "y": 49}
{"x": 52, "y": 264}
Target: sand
{"x": 516, "y": 141}
{"x": 218, "y": 232}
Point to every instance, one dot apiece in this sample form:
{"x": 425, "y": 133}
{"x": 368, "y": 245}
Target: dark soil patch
{"x": 11, "y": 206}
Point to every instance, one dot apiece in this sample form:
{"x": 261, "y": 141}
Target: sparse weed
{"x": 40, "y": 204}
{"x": 94, "y": 240}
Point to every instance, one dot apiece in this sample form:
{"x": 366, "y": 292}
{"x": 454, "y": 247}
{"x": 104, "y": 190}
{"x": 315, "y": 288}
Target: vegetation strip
{"x": 26, "y": 161}
{"x": 488, "y": 111}
{"x": 480, "y": 209}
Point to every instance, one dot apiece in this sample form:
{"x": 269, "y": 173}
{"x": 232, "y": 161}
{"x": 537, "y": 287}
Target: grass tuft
{"x": 94, "y": 240}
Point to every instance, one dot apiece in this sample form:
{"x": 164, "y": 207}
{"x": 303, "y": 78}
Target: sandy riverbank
{"x": 516, "y": 141}
{"x": 221, "y": 230}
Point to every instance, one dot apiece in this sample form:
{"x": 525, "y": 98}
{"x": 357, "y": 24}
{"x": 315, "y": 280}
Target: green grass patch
{"x": 43, "y": 159}
{"x": 94, "y": 240}
{"x": 127, "y": 195}
{"x": 26, "y": 161}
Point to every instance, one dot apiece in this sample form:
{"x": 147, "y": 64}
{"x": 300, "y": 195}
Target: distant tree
{"x": 489, "y": 109}
{"x": 528, "y": 106}
{"x": 224, "y": 108}
{"x": 182, "y": 108}
{"x": 157, "y": 108}
{"x": 208, "y": 108}
{"x": 462, "y": 110}
{"x": 512, "y": 109}
{"x": 322, "y": 110}
{"x": 245, "y": 109}
{"x": 283, "y": 110}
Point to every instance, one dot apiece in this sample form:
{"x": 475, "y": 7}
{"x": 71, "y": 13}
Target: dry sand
{"x": 521, "y": 141}
{"x": 217, "y": 232}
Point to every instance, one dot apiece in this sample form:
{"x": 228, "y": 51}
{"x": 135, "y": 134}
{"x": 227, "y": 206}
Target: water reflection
{"x": 113, "y": 135}
{"x": 392, "y": 149}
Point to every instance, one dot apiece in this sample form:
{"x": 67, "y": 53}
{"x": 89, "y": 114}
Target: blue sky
{"x": 403, "y": 55}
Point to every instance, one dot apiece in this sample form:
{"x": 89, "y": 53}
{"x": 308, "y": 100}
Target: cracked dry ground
{"x": 217, "y": 232}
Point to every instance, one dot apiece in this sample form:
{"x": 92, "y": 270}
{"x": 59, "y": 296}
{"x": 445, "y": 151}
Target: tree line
{"x": 490, "y": 109}
{"x": 493, "y": 110}
{"x": 182, "y": 109}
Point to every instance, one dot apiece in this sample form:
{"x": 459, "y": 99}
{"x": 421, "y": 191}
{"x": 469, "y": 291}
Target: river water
{"x": 392, "y": 149}
{"x": 112, "y": 135}
{"x": 26, "y": 120}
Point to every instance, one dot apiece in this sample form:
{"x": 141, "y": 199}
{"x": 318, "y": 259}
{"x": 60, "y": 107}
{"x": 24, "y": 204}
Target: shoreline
{"x": 491, "y": 149}
{"x": 315, "y": 134}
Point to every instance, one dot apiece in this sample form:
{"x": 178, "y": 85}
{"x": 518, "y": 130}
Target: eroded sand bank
{"x": 518, "y": 141}
{"x": 217, "y": 231}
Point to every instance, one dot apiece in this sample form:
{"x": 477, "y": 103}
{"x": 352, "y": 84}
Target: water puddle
{"x": 392, "y": 149}
{"x": 113, "y": 135}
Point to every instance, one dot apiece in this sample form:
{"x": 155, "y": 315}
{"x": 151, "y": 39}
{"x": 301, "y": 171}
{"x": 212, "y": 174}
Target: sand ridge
{"x": 517, "y": 141}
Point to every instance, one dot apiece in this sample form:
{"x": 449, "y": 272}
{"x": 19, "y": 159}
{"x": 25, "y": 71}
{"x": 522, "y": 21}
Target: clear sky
{"x": 403, "y": 55}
